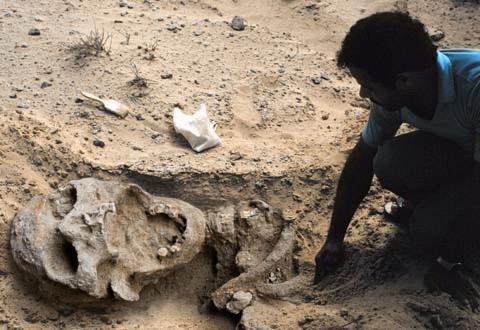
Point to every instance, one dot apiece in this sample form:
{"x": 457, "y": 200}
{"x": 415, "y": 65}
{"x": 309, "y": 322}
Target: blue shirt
{"x": 457, "y": 115}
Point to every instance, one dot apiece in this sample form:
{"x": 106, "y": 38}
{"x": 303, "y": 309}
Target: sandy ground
{"x": 287, "y": 118}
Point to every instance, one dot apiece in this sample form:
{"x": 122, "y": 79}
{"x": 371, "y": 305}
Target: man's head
{"x": 385, "y": 52}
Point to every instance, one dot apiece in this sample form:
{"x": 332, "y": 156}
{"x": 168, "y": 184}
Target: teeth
{"x": 174, "y": 249}
{"x": 156, "y": 209}
{"x": 162, "y": 252}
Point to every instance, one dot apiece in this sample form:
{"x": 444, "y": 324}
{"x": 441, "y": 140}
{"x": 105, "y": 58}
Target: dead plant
{"x": 127, "y": 36}
{"x": 93, "y": 44}
{"x": 139, "y": 83}
{"x": 149, "y": 50}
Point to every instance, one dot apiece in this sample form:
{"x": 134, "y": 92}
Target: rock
{"x": 45, "y": 84}
{"x": 23, "y": 105}
{"x": 166, "y": 76}
{"x": 80, "y": 236}
{"x": 437, "y": 35}
{"x": 239, "y": 302}
{"x": 34, "y": 32}
{"x": 98, "y": 143}
{"x": 238, "y": 23}
{"x": 198, "y": 33}
{"x": 172, "y": 27}
{"x": 65, "y": 311}
{"x": 317, "y": 80}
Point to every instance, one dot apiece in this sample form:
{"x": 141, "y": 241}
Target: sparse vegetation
{"x": 139, "y": 83}
{"x": 127, "y": 36}
{"x": 93, "y": 44}
{"x": 149, "y": 50}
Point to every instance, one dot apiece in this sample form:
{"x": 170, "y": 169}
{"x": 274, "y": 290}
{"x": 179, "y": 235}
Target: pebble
{"x": 437, "y": 35}
{"x": 172, "y": 27}
{"x": 166, "y": 76}
{"x": 34, "y": 32}
{"x": 198, "y": 33}
{"x": 239, "y": 302}
{"x": 317, "y": 80}
{"x": 45, "y": 84}
{"x": 23, "y": 105}
{"x": 98, "y": 143}
{"x": 238, "y": 23}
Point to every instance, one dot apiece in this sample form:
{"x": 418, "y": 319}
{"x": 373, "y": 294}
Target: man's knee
{"x": 385, "y": 165}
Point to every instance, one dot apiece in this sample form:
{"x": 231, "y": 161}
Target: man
{"x": 436, "y": 169}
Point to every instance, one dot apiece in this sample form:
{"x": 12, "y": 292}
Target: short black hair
{"x": 386, "y": 44}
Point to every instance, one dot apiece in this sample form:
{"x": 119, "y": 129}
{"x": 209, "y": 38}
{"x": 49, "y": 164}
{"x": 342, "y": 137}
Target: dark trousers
{"x": 433, "y": 174}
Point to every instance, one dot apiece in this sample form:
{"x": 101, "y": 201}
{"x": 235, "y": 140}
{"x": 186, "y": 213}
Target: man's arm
{"x": 353, "y": 185}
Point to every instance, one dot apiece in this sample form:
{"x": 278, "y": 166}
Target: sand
{"x": 287, "y": 118}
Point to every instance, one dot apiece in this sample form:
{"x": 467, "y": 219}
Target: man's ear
{"x": 404, "y": 81}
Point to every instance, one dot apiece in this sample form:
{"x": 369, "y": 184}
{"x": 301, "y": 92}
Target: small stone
{"x": 172, "y": 27}
{"x": 23, "y": 105}
{"x": 34, "y": 32}
{"x": 198, "y": 33}
{"x": 239, "y": 302}
{"x": 325, "y": 116}
{"x": 235, "y": 156}
{"x": 307, "y": 319}
{"x": 437, "y": 35}
{"x": 45, "y": 84}
{"x": 65, "y": 311}
{"x": 166, "y": 76}
{"x": 78, "y": 100}
{"x": 98, "y": 143}
{"x": 238, "y": 23}
{"x": 317, "y": 80}
{"x": 344, "y": 312}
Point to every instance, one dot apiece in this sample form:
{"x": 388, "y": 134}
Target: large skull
{"x": 105, "y": 237}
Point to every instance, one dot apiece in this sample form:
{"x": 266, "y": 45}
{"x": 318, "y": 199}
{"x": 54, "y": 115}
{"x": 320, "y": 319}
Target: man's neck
{"x": 425, "y": 97}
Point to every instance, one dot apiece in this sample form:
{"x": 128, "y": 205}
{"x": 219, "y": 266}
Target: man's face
{"x": 391, "y": 99}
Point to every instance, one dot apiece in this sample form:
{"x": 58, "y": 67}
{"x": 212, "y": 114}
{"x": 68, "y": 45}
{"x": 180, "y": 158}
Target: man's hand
{"x": 459, "y": 283}
{"x": 330, "y": 256}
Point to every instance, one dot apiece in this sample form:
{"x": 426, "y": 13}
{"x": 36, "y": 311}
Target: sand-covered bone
{"x": 105, "y": 237}
{"x": 258, "y": 240}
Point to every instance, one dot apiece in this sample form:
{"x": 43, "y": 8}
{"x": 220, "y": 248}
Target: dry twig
{"x": 93, "y": 44}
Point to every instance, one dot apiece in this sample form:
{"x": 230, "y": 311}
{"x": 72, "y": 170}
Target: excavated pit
{"x": 246, "y": 254}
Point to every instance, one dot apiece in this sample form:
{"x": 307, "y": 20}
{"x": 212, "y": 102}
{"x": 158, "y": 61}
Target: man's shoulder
{"x": 465, "y": 63}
